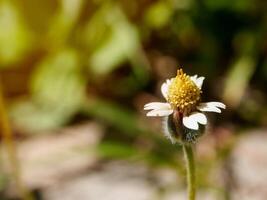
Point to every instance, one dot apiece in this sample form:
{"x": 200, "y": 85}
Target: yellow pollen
{"x": 183, "y": 93}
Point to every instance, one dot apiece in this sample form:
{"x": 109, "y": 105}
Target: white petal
{"x": 169, "y": 81}
{"x": 199, "y": 81}
{"x": 200, "y": 118}
{"x": 217, "y": 104}
{"x": 158, "y": 109}
{"x": 165, "y": 87}
{"x": 164, "y": 90}
{"x": 159, "y": 113}
{"x": 157, "y": 106}
{"x": 210, "y": 107}
{"x": 205, "y": 108}
{"x": 190, "y": 122}
{"x": 194, "y": 78}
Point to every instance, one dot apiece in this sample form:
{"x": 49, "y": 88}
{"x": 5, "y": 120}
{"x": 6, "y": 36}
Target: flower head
{"x": 183, "y": 94}
{"x": 183, "y": 109}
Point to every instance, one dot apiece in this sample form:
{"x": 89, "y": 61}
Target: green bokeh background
{"x": 63, "y": 62}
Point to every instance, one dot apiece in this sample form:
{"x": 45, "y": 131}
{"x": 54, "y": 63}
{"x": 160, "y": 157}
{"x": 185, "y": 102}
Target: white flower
{"x": 183, "y": 95}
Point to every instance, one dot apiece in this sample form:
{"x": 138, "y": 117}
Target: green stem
{"x": 190, "y": 167}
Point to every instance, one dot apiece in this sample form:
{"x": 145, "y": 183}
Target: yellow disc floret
{"x": 183, "y": 93}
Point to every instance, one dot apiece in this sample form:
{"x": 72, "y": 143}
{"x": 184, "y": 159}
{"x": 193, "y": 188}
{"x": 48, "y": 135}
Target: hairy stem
{"x": 190, "y": 168}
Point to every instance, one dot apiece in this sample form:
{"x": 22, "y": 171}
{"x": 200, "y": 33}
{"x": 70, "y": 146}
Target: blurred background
{"x": 75, "y": 75}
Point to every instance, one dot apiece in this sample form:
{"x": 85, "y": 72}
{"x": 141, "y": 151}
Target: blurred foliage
{"x": 65, "y": 61}
{"x": 15, "y": 38}
{"x": 120, "y": 39}
{"x": 53, "y": 85}
{"x": 67, "y": 51}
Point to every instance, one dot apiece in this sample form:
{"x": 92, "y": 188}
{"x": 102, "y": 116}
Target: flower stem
{"x": 9, "y": 143}
{"x": 190, "y": 168}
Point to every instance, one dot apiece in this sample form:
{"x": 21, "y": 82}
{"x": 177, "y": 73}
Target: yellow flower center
{"x": 183, "y": 93}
